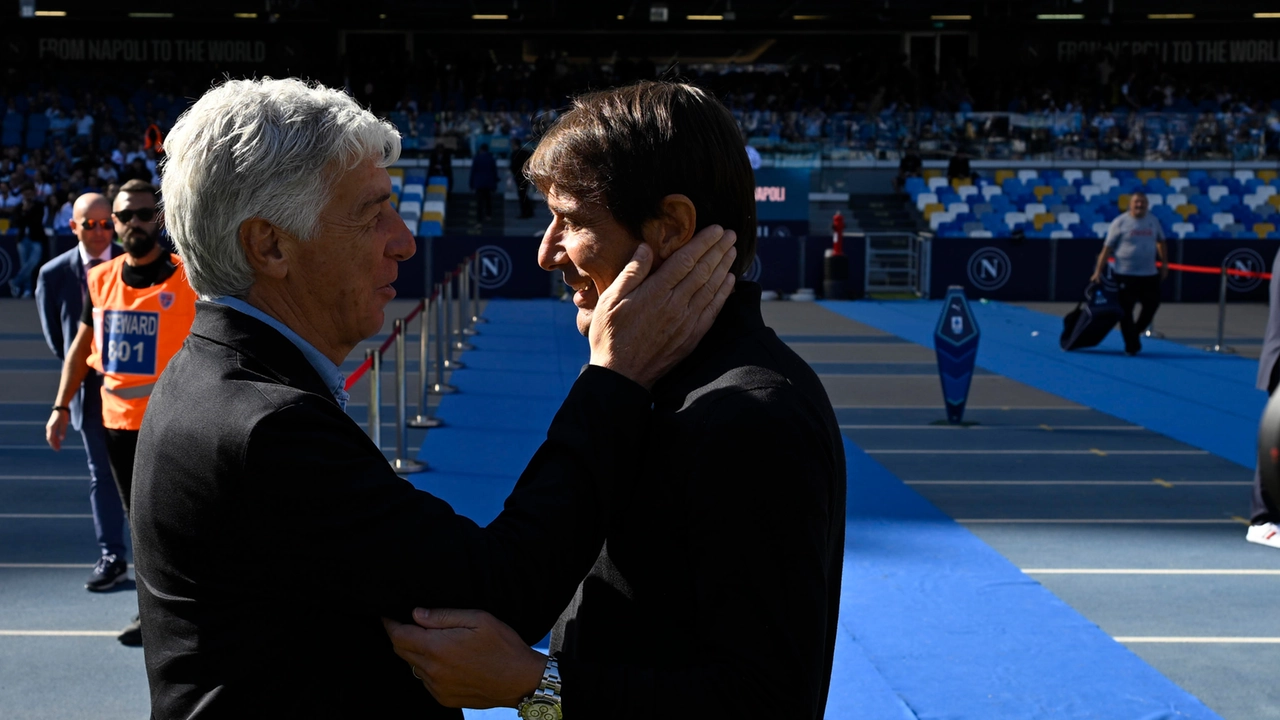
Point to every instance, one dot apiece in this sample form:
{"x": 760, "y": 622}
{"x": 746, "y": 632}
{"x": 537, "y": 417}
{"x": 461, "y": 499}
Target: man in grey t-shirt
{"x": 1136, "y": 239}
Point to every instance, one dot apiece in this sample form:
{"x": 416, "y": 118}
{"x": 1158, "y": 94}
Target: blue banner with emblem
{"x": 955, "y": 341}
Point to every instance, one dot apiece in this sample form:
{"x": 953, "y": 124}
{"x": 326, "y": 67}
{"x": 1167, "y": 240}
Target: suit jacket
{"x": 60, "y": 300}
{"x": 1271, "y": 340}
{"x": 270, "y": 534}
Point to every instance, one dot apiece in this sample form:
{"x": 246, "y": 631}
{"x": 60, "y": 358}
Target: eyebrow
{"x": 373, "y": 201}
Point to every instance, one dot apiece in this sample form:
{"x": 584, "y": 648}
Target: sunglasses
{"x": 143, "y": 214}
{"x": 94, "y": 224}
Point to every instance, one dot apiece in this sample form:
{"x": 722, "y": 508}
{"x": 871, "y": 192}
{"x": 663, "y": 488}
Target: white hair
{"x": 269, "y": 149}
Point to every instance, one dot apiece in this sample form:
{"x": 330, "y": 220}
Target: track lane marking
{"x": 1145, "y": 571}
{"x": 1198, "y": 640}
{"x": 43, "y": 516}
{"x": 1091, "y": 451}
{"x": 60, "y": 633}
{"x": 1089, "y": 521}
{"x": 1139, "y": 483}
{"x": 1129, "y": 428}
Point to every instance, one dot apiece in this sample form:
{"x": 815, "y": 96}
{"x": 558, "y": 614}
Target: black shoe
{"x": 131, "y": 635}
{"x": 109, "y": 572}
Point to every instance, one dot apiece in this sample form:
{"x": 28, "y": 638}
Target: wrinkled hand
{"x": 644, "y": 324}
{"x": 55, "y": 431}
{"x": 467, "y": 658}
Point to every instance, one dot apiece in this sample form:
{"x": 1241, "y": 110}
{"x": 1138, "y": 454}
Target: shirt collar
{"x": 85, "y": 257}
{"x": 329, "y": 373}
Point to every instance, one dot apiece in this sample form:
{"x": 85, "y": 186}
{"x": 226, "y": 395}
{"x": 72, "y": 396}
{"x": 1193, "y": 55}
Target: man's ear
{"x": 261, "y": 242}
{"x": 676, "y": 222}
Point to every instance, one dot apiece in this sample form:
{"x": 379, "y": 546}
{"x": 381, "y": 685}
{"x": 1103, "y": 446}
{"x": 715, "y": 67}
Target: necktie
{"x": 84, "y": 277}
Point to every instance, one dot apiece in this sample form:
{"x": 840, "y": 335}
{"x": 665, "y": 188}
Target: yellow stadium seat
{"x": 437, "y": 216}
{"x": 1146, "y": 176}
{"x": 958, "y": 183}
{"x": 932, "y": 173}
{"x": 1002, "y": 175}
{"x": 4, "y": 225}
{"x": 1186, "y": 211}
{"x": 396, "y": 172}
{"x": 1124, "y": 202}
{"x": 932, "y": 208}
{"x": 1266, "y": 175}
{"x": 1275, "y": 201}
{"x": 1263, "y": 228}
{"x": 437, "y": 189}
{"x": 1041, "y": 191}
{"x": 1041, "y": 219}
{"x": 1168, "y": 175}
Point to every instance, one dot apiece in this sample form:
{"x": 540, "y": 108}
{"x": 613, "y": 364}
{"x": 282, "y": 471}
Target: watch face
{"x": 540, "y": 710}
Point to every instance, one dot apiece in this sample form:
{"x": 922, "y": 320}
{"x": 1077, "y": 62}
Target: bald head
{"x": 91, "y": 222}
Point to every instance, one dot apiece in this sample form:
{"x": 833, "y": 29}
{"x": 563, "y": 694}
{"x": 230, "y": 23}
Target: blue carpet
{"x": 934, "y": 623}
{"x": 1204, "y": 400}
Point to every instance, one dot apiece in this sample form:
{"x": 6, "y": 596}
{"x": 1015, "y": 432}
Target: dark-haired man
{"x": 137, "y": 312}
{"x": 717, "y": 592}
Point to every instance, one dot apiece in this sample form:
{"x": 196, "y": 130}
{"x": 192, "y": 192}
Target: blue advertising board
{"x": 782, "y": 194}
{"x": 955, "y": 341}
{"x": 994, "y": 268}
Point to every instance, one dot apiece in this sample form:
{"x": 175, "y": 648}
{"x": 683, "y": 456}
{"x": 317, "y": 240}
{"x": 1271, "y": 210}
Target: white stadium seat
{"x": 925, "y": 199}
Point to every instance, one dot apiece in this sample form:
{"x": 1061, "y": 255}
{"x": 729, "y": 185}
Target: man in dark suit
{"x": 60, "y": 292}
{"x": 271, "y": 535}
{"x": 1263, "y": 512}
{"x": 484, "y": 180}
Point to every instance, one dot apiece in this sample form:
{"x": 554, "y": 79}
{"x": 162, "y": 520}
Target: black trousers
{"x": 122, "y": 445}
{"x": 484, "y": 203}
{"x": 1135, "y": 290}
{"x": 1262, "y": 509}
{"x": 526, "y": 203}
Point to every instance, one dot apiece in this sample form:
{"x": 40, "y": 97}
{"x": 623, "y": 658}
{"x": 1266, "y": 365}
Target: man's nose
{"x": 549, "y": 248}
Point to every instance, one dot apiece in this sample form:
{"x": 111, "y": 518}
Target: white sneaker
{"x": 1265, "y": 534}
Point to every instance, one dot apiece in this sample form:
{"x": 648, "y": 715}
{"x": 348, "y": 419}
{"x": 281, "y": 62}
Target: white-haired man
{"x": 270, "y": 533}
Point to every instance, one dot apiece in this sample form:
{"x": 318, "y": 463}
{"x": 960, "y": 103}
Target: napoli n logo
{"x": 753, "y": 272}
{"x": 492, "y": 268}
{"x": 1246, "y": 260}
{"x": 989, "y": 268}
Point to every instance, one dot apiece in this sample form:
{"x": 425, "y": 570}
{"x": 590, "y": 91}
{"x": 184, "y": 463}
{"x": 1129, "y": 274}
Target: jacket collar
{"x": 739, "y": 318}
{"x": 273, "y": 352}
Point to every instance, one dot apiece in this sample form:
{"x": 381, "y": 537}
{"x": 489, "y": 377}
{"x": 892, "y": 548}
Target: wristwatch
{"x": 544, "y": 703}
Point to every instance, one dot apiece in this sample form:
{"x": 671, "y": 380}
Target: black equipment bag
{"x": 1093, "y": 318}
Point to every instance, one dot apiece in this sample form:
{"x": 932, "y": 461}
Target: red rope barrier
{"x": 1205, "y": 270}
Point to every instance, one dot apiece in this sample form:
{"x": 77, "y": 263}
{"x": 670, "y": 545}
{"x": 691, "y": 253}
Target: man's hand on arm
{"x": 74, "y": 369}
{"x": 643, "y": 325}
{"x": 1102, "y": 263}
{"x": 467, "y": 658}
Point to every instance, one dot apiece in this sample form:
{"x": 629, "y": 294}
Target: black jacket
{"x": 718, "y": 590}
{"x": 270, "y": 534}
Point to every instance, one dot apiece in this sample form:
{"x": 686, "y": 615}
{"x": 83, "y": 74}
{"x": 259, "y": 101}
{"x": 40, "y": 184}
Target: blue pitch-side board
{"x": 956, "y": 342}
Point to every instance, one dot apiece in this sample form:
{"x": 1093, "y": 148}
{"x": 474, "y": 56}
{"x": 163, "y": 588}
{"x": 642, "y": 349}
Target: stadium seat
{"x": 1013, "y": 219}
{"x": 1042, "y": 219}
{"x": 1072, "y": 176}
{"x": 4, "y": 226}
{"x": 980, "y": 234}
{"x": 1265, "y": 190}
{"x": 1088, "y": 192}
{"x": 938, "y": 218}
{"x": 1261, "y": 229}
{"x": 1002, "y": 175}
{"x": 1061, "y": 235}
{"x": 412, "y": 225}
{"x": 1100, "y": 229}
{"x": 1243, "y": 175}
{"x": 1215, "y": 192}
{"x": 967, "y": 191}
{"x": 933, "y": 208}
{"x": 915, "y": 186}
{"x": 990, "y": 190}
{"x": 1179, "y": 183}
{"x": 1145, "y": 176}
{"x": 957, "y": 183}
{"x": 1067, "y": 219}
{"x": 1175, "y": 200}
{"x": 410, "y": 210}
{"x": 1183, "y": 229}
{"x": 1267, "y": 175}
{"x": 1028, "y": 174}
{"x": 931, "y": 173}
{"x": 925, "y": 199}
{"x": 1041, "y": 190}
{"x": 433, "y": 206}
{"x": 1274, "y": 201}
{"x": 937, "y": 182}
{"x": 958, "y": 208}
{"x": 1123, "y": 201}
{"x": 1033, "y": 209}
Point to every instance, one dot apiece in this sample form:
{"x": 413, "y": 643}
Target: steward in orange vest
{"x": 135, "y": 333}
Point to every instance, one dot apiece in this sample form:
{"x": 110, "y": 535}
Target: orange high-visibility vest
{"x": 135, "y": 333}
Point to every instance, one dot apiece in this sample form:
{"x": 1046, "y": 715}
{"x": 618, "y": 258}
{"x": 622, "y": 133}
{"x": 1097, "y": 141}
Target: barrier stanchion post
{"x": 1222, "y": 314}
{"x": 402, "y": 464}
{"x": 446, "y": 338}
{"x": 440, "y": 387}
{"x": 468, "y": 307}
{"x": 375, "y": 395}
{"x": 476, "y": 317}
{"x": 424, "y": 419}
{"x": 459, "y": 336}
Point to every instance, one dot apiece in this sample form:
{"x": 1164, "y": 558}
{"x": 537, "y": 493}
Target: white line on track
{"x": 42, "y": 516}
{"x": 1140, "y": 483}
{"x": 935, "y": 408}
{"x": 44, "y": 477}
{"x": 59, "y": 633}
{"x": 44, "y": 566}
{"x": 1100, "y": 453}
{"x": 993, "y": 427}
{"x": 1144, "y": 571}
{"x": 1200, "y": 640}
{"x": 1087, "y": 521}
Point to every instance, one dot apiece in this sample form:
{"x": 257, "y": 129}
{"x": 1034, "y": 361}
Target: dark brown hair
{"x": 627, "y": 148}
{"x": 138, "y": 186}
